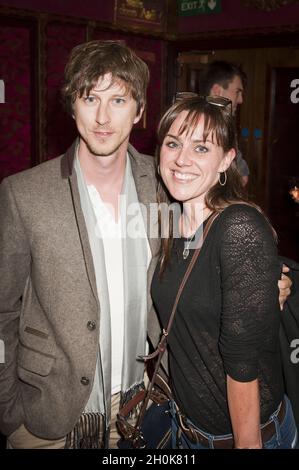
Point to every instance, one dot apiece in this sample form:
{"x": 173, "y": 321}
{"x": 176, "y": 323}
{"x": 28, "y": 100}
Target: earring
{"x": 158, "y": 169}
{"x": 222, "y": 183}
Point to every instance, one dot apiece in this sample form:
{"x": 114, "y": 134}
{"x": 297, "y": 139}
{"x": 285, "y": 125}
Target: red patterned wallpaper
{"x": 60, "y": 128}
{"x": 15, "y": 113}
{"x": 101, "y": 10}
{"x": 151, "y": 51}
{"x": 235, "y": 15}
{"x": 18, "y": 62}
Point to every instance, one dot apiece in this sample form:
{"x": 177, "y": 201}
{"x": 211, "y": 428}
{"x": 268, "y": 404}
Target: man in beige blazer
{"x": 73, "y": 294}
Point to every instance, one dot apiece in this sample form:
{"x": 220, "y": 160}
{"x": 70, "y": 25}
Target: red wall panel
{"x": 235, "y": 15}
{"x": 60, "y": 128}
{"x": 101, "y": 10}
{"x": 16, "y": 112}
{"x": 33, "y": 124}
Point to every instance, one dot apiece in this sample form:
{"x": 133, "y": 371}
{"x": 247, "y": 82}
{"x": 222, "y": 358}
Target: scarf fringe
{"x": 88, "y": 433}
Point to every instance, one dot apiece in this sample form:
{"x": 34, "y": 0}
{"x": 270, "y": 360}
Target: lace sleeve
{"x": 250, "y": 270}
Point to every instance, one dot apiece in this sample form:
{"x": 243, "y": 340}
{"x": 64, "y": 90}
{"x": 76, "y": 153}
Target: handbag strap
{"x": 163, "y": 341}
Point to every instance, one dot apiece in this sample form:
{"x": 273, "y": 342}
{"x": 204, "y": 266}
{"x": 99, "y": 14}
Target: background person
{"x": 221, "y": 78}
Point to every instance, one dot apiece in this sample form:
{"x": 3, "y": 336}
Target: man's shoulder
{"x": 142, "y": 157}
{"x": 35, "y": 189}
{"x": 148, "y": 161}
{"x": 40, "y": 173}
{"x": 142, "y": 160}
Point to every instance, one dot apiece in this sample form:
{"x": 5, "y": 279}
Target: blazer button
{"x": 91, "y": 325}
{"x": 84, "y": 381}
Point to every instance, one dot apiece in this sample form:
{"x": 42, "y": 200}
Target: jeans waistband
{"x": 195, "y": 436}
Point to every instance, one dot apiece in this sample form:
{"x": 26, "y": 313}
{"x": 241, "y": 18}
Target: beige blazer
{"x": 49, "y": 309}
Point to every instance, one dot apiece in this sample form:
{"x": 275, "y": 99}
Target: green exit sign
{"x": 198, "y": 7}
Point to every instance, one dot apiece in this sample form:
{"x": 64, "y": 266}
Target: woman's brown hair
{"x": 218, "y": 125}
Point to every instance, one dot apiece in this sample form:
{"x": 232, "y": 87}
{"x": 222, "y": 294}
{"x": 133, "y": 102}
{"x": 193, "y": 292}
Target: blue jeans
{"x": 285, "y": 437}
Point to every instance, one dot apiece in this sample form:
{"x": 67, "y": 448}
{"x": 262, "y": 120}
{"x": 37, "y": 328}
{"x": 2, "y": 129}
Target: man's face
{"x": 105, "y": 118}
{"x": 233, "y": 92}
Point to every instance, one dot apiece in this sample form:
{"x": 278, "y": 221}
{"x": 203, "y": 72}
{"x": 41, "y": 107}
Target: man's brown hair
{"x": 219, "y": 72}
{"x": 94, "y": 59}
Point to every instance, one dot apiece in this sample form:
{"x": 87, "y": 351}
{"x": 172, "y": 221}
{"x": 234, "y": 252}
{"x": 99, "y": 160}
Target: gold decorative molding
{"x": 268, "y": 5}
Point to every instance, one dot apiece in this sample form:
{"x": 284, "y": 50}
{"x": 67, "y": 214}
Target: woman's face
{"x": 189, "y": 166}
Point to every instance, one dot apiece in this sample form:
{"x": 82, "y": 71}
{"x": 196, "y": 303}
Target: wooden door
{"x": 190, "y": 65}
{"x": 283, "y": 161}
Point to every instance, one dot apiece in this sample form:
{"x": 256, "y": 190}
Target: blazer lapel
{"x": 146, "y": 187}
{"x": 67, "y": 172}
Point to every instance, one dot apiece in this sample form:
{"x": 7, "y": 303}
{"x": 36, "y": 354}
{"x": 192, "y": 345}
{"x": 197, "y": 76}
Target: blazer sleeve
{"x": 14, "y": 271}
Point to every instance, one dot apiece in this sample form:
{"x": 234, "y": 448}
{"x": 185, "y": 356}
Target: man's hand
{"x": 284, "y": 285}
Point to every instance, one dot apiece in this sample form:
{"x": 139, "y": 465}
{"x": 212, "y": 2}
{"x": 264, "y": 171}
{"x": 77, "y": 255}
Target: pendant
{"x": 185, "y": 253}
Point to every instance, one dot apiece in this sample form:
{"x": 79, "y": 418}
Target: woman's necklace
{"x": 186, "y": 250}
{"x": 190, "y": 239}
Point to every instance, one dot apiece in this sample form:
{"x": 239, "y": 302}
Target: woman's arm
{"x": 250, "y": 317}
{"x": 244, "y": 408}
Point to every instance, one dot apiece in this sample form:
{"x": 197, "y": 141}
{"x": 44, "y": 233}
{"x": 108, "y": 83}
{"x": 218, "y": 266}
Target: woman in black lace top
{"x": 224, "y": 359}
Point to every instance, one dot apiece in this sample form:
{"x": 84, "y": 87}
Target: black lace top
{"x": 227, "y": 320}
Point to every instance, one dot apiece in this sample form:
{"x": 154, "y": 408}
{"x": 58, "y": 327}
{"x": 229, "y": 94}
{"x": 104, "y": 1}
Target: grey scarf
{"x": 135, "y": 263}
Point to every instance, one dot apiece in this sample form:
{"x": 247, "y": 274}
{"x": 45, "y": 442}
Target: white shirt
{"x": 110, "y": 231}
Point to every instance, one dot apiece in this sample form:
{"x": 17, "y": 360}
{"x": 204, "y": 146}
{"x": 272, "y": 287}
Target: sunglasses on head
{"x": 219, "y": 101}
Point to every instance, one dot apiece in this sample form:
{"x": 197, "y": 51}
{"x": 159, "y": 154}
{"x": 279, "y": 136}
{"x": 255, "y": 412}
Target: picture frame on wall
{"x": 144, "y": 16}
